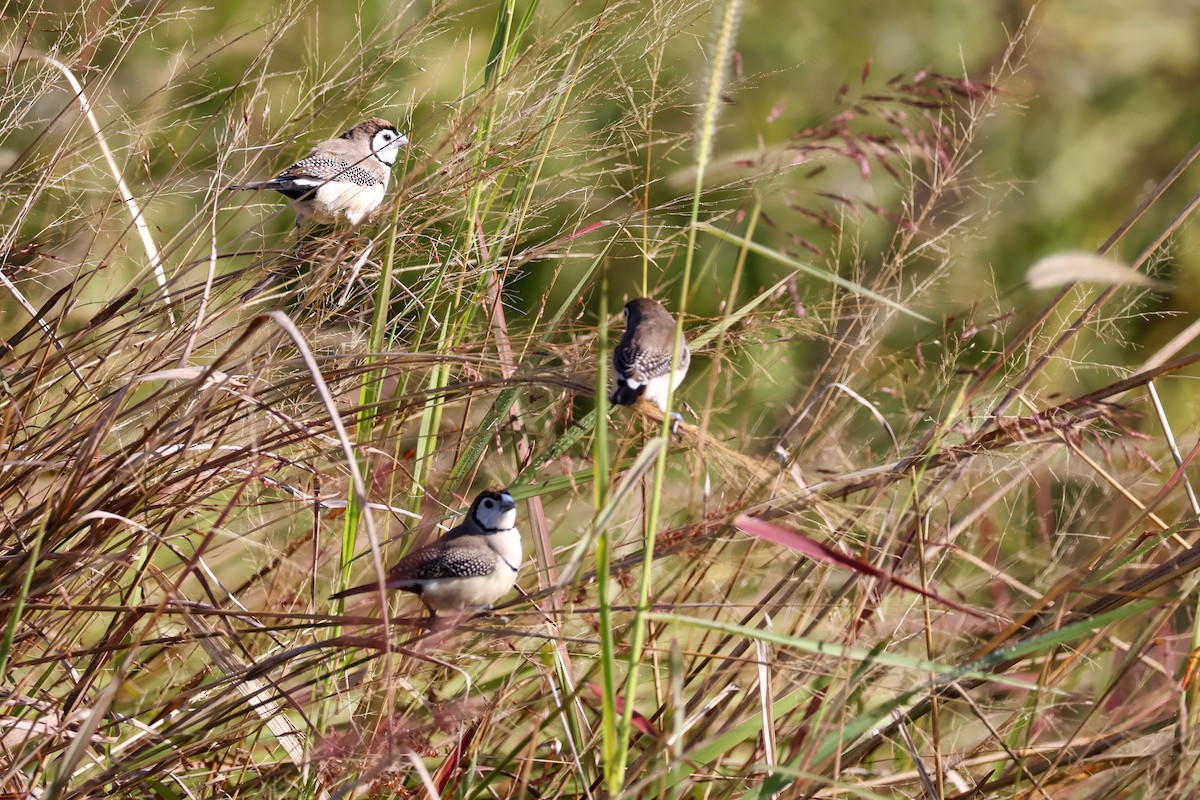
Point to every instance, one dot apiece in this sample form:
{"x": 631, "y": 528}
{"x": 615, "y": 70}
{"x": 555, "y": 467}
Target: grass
{"x": 903, "y": 547}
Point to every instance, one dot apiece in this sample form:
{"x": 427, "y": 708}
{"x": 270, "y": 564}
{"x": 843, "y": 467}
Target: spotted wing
{"x": 632, "y": 362}
{"x": 442, "y": 562}
{"x": 302, "y": 178}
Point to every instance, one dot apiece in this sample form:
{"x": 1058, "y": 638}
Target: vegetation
{"x": 927, "y": 530}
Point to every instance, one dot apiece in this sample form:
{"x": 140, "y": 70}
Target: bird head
{"x": 384, "y": 139}
{"x": 494, "y": 511}
{"x": 643, "y": 308}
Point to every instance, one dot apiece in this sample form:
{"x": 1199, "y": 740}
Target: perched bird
{"x": 471, "y": 566}
{"x": 642, "y": 360}
{"x": 343, "y": 178}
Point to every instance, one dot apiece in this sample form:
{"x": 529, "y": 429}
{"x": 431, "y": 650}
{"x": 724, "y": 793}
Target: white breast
{"x": 657, "y": 388}
{"x": 336, "y": 200}
{"x": 507, "y": 544}
{"x": 459, "y": 594}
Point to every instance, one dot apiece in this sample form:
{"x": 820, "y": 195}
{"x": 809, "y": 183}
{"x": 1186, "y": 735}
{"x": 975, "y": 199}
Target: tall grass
{"x": 904, "y": 546}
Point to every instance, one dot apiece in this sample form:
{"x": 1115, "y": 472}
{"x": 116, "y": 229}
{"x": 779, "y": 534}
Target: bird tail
{"x": 366, "y": 587}
{"x": 625, "y": 395}
{"x": 233, "y": 187}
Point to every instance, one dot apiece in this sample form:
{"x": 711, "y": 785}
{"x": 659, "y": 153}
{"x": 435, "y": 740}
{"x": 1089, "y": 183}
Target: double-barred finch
{"x": 343, "y": 178}
{"x": 471, "y": 566}
{"x": 642, "y": 360}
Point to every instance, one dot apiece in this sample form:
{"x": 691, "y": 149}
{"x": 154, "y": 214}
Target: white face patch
{"x": 386, "y": 144}
{"x": 496, "y": 512}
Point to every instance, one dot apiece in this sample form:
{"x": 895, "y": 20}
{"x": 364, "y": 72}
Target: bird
{"x": 642, "y": 359}
{"x": 343, "y": 178}
{"x": 471, "y": 566}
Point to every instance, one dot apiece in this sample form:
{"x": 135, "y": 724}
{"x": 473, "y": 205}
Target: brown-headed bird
{"x": 642, "y": 360}
{"x": 343, "y": 178}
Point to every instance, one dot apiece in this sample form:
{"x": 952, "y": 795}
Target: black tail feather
{"x": 625, "y": 395}
{"x": 366, "y": 587}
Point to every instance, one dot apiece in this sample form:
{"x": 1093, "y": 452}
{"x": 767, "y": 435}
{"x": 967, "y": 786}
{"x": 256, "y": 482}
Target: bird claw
{"x": 676, "y": 421}
{"x": 499, "y": 619}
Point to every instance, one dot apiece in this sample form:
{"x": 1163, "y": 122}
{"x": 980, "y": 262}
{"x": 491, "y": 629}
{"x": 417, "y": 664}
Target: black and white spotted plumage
{"x": 300, "y": 178}
{"x": 473, "y": 565}
{"x": 642, "y": 359}
{"x": 341, "y": 179}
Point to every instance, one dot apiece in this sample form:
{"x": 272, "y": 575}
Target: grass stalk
{"x": 609, "y": 712}
{"x": 721, "y": 57}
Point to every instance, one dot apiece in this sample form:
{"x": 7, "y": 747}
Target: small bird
{"x": 471, "y": 566}
{"x": 642, "y": 360}
{"x": 343, "y": 178}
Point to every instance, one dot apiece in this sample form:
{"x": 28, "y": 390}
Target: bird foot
{"x": 452, "y": 616}
{"x": 499, "y": 619}
{"x": 676, "y": 421}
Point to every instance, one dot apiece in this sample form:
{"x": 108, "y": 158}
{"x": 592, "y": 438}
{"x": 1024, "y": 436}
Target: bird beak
{"x": 506, "y": 502}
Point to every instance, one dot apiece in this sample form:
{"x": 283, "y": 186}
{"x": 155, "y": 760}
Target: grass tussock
{"x": 905, "y": 544}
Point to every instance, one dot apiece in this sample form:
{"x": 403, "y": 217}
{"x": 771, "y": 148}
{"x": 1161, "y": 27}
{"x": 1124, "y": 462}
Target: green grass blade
{"x": 809, "y": 269}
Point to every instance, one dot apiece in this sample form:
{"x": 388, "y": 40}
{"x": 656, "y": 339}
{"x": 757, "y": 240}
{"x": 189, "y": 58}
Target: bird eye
{"x": 487, "y": 503}
{"x": 384, "y": 139}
